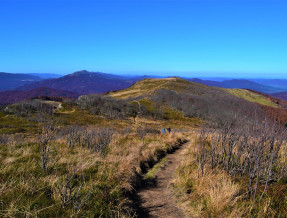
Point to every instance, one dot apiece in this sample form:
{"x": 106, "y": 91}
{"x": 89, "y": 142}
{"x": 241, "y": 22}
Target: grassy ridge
{"x": 149, "y": 86}
{"x": 252, "y": 97}
{"x": 143, "y": 87}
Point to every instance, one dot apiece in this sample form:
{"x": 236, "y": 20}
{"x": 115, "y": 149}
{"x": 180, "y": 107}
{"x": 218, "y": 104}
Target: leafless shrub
{"x": 107, "y": 107}
{"x": 74, "y": 136}
{"x": 96, "y": 139}
{"x": 245, "y": 150}
{"x": 28, "y": 107}
{"x": 102, "y": 138}
{"x": 45, "y": 137}
{"x": 213, "y": 105}
{"x": 143, "y": 131}
{"x": 71, "y": 191}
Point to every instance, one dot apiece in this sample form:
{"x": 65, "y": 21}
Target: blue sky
{"x": 232, "y": 38}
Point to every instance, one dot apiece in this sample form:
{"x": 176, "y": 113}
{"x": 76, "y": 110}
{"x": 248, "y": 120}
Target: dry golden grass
{"x": 214, "y": 193}
{"x": 147, "y": 86}
{"x": 25, "y": 190}
{"x": 142, "y": 87}
{"x": 211, "y": 194}
{"x": 128, "y": 153}
{"x": 218, "y": 188}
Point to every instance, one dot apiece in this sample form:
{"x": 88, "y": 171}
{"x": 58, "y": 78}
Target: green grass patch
{"x": 171, "y": 114}
{"x": 10, "y": 124}
{"x": 151, "y": 173}
{"x": 251, "y": 96}
{"x": 79, "y": 117}
{"x": 148, "y": 104}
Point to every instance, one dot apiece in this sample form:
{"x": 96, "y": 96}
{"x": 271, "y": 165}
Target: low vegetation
{"x": 235, "y": 171}
{"x": 84, "y": 157}
{"x": 72, "y": 174}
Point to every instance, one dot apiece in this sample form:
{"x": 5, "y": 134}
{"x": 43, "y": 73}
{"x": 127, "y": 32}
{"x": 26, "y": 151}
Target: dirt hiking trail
{"x": 158, "y": 200}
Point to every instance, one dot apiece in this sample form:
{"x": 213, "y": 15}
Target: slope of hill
{"x": 195, "y": 99}
{"x": 10, "y": 97}
{"x": 84, "y": 82}
{"x": 275, "y": 108}
{"x": 150, "y": 86}
{"x": 9, "y": 81}
{"x": 252, "y": 96}
{"x": 144, "y": 87}
{"x": 192, "y": 99}
{"x": 271, "y": 97}
{"x": 238, "y": 83}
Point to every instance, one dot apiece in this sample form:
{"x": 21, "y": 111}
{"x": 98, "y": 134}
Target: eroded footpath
{"x": 157, "y": 200}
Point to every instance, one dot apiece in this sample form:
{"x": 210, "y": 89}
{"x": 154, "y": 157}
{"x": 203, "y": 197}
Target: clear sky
{"x": 232, "y": 38}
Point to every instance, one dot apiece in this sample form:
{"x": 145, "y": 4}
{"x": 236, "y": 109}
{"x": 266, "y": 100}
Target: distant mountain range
{"x": 9, "y": 81}
{"x": 46, "y": 75}
{"x": 72, "y": 85}
{"x": 278, "y": 83}
{"x": 239, "y": 83}
{"x": 85, "y": 82}
{"x": 10, "y": 97}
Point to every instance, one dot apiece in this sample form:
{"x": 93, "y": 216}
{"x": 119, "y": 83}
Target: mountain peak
{"x": 81, "y": 72}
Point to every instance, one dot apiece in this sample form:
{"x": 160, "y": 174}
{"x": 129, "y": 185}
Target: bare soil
{"x": 157, "y": 199}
